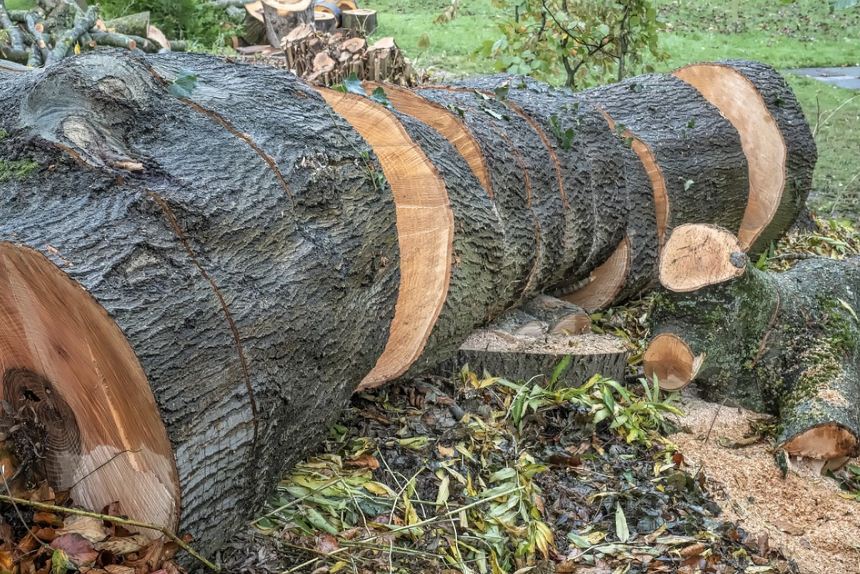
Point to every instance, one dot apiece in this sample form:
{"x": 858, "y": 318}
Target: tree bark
{"x": 256, "y": 278}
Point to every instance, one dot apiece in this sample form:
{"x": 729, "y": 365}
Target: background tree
{"x": 588, "y": 41}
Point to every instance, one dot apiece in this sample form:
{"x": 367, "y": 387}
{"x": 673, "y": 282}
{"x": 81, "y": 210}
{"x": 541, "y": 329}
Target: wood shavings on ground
{"x": 807, "y": 517}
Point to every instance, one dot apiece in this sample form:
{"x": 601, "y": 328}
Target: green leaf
{"x": 560, "y": 369}
{"x": 380, "y": 97}
{"x": 317, "y": 520}
{"x": 621, "y": 529}
{"x": 184, "y": 84}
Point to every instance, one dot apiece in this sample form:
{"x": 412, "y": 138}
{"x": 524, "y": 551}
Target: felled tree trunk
{"x": 782, "y": 343}
{"x": 195, "y": 288}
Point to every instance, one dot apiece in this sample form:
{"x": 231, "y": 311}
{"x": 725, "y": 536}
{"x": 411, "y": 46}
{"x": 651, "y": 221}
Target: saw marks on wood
{"x": 670, "y": 359}
{"x": 763, "y": 144}
{"x": 443, "y": 121}
{"x": 425, "y": 231}
{"x": 62, "y": 356}
{"x": 699, "y": 255}
{"x": 803, "y": 515}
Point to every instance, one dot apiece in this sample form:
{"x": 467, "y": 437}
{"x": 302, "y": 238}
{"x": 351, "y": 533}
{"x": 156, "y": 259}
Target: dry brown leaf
{"x": 123, "y": 546}
{"x": 77, "y": 548}
{"x": 326, "y": 544}
{"x": 90, "y": 528}
{"x": 119, "y": 569}
{"x": 364, "y": 461}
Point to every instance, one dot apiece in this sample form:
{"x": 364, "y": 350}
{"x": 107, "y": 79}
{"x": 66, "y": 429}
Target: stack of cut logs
{"x": 54, "y": 29}
{"x": 329, "y": 59}
{"x": 326, "y": 43}
{"x": 193, "y": 282}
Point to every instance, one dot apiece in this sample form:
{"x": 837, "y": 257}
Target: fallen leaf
{"x": 123, "y": 546}
{"x": 90, "y": 528}
{"x": 78, "y": 549}
{"x": 364, "y": 461}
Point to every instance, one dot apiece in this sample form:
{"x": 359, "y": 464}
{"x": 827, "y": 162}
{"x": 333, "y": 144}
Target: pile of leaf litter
{"x": 43, "y": 532}
{"x": 472, "y": 474}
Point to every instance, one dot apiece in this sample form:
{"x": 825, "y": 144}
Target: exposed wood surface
{"x": 761, "y": 107}
{"x": 65, "y": 360}
{"x": 425, "y": 231}
{"x": 699, "y": 255}
{"x": 360, "y": 20}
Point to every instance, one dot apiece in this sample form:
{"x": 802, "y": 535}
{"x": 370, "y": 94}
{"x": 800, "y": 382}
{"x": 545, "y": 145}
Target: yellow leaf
{"x": 77, "y": 49}
{"x": 378, "y": 489}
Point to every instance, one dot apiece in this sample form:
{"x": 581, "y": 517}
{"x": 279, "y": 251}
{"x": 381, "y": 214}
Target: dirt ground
{"x": 804, "y": 516}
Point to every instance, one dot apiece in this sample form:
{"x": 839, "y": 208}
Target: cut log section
{"x": 443, "y": 121}
{"x": 216, "y": 265}
{"x": 697, "y": 150}
{"x": 783, "y": 343}
{"x": 425, "y": 230}
{"x": 325, "y": 22}
{"x": 282, "y": 16}
{"x": 360, "y": 21}
{"x": 524, "y": 357}
{"x": 773, "y": 133}
{"x": 68, "y": 367}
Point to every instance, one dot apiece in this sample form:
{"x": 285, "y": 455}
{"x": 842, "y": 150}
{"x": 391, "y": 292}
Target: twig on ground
{"x": 108, "y": 518}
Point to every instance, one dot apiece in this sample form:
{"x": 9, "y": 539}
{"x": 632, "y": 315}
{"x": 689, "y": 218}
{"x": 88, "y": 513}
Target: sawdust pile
{"x": 804, "y": 516}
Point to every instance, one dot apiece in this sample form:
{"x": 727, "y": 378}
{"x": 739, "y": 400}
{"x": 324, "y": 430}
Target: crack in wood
{"x": 174, "y": 224}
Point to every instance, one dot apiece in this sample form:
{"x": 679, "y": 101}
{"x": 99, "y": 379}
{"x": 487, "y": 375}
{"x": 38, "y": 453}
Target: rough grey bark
{"x": 511, "y": 179}
{"x": 218, "y": 257}
{"x": 589, "y": 168}
{"x": 698, "y": 150}
{"x": 782, "y": 343}
{"x": 478, "y": 249}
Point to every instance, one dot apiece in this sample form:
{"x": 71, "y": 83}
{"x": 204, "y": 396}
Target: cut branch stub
{"x": 699, "y": 255}
{"x": 670, "y": 359}
{"x": 63, "y": 358}
{"x": 782, "y": 343}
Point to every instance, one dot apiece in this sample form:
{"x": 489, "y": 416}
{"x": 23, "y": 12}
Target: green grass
{"x": 19, "y": 4}
{"x": 800, "y": 34}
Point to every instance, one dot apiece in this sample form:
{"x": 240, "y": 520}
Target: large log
{"x": 781, "y": 343}
{"x": 199, "y": 286}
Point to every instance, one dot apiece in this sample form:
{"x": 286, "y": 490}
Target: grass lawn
{"x": 800, "y": 34}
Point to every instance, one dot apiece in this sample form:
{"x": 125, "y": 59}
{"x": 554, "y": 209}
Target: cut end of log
{"x": 672, "y": 361}
{"x": 830, "y": 442}
{"x": 605, "y": 282}
{"x": 425, "y": 230}
{"x": 255, "y": 10}
{"x": 699, "y": 255}
{"x": 284, "y": 7}
{"x": 443, "y": 121}
{"x": 64, "y": 360}
{"x": 764, "y": 146}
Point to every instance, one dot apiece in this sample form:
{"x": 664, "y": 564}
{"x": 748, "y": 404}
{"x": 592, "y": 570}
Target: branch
{"x": 16, "y": 37}
{"x": 71, "y": 37}
{"x": 113, "y": 519}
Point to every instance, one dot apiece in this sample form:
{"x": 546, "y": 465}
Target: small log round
{"x": 360, "y": 20}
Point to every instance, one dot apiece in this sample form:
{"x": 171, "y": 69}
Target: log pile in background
{"x": 329, "y": 59}
{"x": 168, "y": 255}
{"x": 54, "y": 30}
